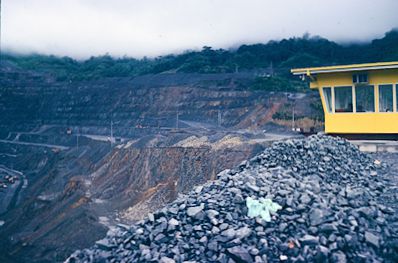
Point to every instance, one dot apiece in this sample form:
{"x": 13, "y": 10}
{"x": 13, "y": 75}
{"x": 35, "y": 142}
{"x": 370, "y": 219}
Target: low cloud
{"x": 83, "y": 28}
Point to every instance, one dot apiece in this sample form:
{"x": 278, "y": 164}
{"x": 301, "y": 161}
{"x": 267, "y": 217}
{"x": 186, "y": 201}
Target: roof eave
{"x": 308, "y": 71}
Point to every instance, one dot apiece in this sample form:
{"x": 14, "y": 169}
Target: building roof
{"x": 345, "y": 68}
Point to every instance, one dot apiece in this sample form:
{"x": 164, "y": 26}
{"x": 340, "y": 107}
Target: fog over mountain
{"x": 83, "y": 28}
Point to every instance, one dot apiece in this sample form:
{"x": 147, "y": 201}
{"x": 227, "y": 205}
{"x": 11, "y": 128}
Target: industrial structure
{"x": 357, "y": 99}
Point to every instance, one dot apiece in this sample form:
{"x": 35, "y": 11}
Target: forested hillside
{"x": 278, "y": 55}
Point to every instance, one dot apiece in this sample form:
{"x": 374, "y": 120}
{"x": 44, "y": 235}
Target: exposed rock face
{"x": 143, "y": 179}
{"x": 331, "y": 211}
{"x": 130, "y": 105}
{"x": 137, "y": 106}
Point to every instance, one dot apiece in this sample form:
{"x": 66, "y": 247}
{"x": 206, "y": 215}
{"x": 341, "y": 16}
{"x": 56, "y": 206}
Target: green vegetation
{"x": 278, "y": 83}
{"x": 286, "y": 112}
{"x": 93, "y": 68}
{"x": 283, "y": 55}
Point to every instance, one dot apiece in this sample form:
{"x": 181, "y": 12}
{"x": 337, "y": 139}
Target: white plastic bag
{"x": 263, "y": 208}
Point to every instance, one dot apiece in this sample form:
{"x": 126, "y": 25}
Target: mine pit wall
{"x": 129, "y": 106}
{"x": 130, "y": 176}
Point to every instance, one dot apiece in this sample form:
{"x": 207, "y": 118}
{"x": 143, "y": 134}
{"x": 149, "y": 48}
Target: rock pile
{"x": 330, "y": 212}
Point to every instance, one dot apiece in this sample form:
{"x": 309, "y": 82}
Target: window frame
{"x": 378, "y": 98}
{"x": 374, "y": 98}
{"x": 376, "y": 95}
{"x": 331, "y": 99}
{"x": 357, "y": 76}
{"x": 352, "y": 99}
{"x": 395, "y": 97}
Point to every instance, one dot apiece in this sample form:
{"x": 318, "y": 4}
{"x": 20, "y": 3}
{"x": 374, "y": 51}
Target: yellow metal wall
{"x": 362, "y": 122}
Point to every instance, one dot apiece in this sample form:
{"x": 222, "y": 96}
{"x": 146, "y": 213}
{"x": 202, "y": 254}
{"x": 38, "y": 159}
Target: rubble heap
{"x": 328, "y": 192}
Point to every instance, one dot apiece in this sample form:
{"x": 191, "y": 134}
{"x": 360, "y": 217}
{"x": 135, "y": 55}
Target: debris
{"x": 263, "y": 208}
{"x": 291, "y": 244}
{"x": 283, "y": 257}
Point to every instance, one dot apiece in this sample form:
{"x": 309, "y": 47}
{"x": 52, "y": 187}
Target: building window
{"x": 343, "y": 99}
{"x": 365, "y": 98}
{"x": 385, "y": 98}
{"x": 360, "y": 78}
{"x": 327, "y": 94}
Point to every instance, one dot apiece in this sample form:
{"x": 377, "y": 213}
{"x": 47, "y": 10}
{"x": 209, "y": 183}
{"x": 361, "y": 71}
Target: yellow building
{"x": 357, "y": 99}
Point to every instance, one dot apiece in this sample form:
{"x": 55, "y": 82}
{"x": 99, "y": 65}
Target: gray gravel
{"x": 331, "y": 212}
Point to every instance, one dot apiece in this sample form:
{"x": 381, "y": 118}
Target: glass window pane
{"x": 327, "y": 94}
{"x": 343, "y": 99}
{"x": 385, "y": 98}
{"x": 396, "y": 95}
{"x": 365, "y": 98}
{"x": 363, "y": 78}
{"x": 360, "y": 78}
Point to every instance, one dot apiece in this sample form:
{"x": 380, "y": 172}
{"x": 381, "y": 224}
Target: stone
{"x": 312, "y": 230}
{"x": 151, "y": 217}
{"x": 160, "y": 237}
{"x": 240, "y": 254}
{"x": 195, "y": 210}
{"x": 252, "y": 187}
{"x": 229, "y": 233}
{"x": 173, "y": 210}
{"x": 212, "y": 213}
{"x": 105, "y": 244}
{"x": 212, "y": 245}
{"x": 258, "y": 259}
{"x": 223, "y": 226}
{"x": 328, "y": 228}
{"x": 139, "y": 231}
{"x": 243, "y": 232}
{"x": 323, "y": 240}
{"x": 199, "y": 189}
{"x": 215, "y": 230}
{"x": 254, "y": 251}
{"x": 372, "y": 239}
{"x": 322, "y": 254}
{"x": 326, "y": 159}
{"x": 282, "y": 227}
{"x": 339, "y": 257}
{"x": 173, "y": 222}
{"x": 200, "y": 216}
{"x": 316, "y": 216}
{"x": 203, "y": 239}
{"x": 305, "y": 199}
{"x": 366, "y": 212}
{"x": 166, "y": 260}
{"x": 309, "y": 240}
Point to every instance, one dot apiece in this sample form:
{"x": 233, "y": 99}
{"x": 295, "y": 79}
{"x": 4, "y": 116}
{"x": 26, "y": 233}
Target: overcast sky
{"x": 82, "y": 28}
